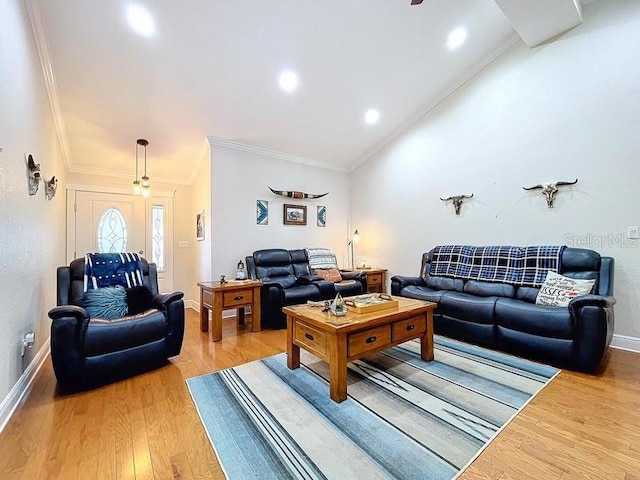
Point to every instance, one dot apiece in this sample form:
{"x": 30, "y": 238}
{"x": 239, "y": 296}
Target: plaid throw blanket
{"x": 522, "y": 266}
{"x": 322, "y": 258}
{"x": 110, "y": 269}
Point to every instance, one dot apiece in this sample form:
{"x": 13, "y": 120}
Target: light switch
{"x": 183, "y": 244}
{"x": 632, "y": 232}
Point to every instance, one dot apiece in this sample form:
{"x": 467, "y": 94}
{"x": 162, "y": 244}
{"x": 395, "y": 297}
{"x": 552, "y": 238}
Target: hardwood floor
{"x": 580, "y": 426}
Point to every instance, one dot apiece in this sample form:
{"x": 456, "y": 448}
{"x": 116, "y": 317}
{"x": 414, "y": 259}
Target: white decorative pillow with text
{"x": 558, "y": 290}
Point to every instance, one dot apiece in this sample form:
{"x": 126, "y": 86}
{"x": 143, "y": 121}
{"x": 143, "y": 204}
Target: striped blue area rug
{"x": 404, "y": 418}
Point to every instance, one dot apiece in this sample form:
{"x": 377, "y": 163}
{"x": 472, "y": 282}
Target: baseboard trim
{"x": 225, "y": 314}
{"x": 192, "y": 304}
{"x": 12, "y": 400}
{"x": 623, "y": 342}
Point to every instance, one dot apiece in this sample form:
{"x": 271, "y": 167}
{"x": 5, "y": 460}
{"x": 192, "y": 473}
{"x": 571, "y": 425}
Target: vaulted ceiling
{"x": 211, "y": 69}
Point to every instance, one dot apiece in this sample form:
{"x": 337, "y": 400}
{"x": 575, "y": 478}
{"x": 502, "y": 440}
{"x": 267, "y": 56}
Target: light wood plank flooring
{"x": 579, "y": 427}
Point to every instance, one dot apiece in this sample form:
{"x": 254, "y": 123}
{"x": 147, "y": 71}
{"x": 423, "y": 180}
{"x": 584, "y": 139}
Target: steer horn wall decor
{"x": 457, "y": 201}
{"x": 549, "y": 190}
{"x": 294, "y": 194}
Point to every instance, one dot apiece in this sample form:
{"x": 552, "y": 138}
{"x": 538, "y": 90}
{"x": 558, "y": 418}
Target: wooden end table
{"x": 339, "y": 340}
{"x": 376, "y": 278}
{"x": 216, "y": 297}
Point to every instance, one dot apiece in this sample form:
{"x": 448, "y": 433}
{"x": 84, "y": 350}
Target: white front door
{"x": 114, "y": 222}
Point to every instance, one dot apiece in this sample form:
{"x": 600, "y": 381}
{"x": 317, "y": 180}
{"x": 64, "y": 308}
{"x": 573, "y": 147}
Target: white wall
{"x": 567, "y": 109}
{"x": 32, "y": 229}
{"x": 201, "y": 201}
{"x": 239, "y": 178}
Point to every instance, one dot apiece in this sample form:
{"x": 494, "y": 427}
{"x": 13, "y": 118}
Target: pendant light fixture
{"x": 141, "y": 186}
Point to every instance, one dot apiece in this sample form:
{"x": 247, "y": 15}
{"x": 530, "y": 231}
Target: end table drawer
{"x": 374, "y": 279}
{"x": 239, "y": 297}
{"x": 311, "y": 339}
{"x": 409, "y": 328}
{"x": 371, "y": 339}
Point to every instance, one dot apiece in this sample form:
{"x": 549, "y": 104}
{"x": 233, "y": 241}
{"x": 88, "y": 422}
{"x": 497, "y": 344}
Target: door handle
{"x": 239, "y": 297}
{"x": 309, "y": 336}
{"x": 410, "y": 327}
{"x": 371, "y": 339}
{"x": 140, "y": 252}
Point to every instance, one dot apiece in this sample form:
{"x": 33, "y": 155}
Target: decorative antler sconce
{"x": 294, "y": 194}
{"x": 457, "y": 201}
{"x": 33, "y": 175}
{"x": 549, "y": 190}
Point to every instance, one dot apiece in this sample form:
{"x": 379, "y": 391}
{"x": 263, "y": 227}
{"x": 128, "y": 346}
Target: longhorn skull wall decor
{"x": 50, "y": 187}
{"x": 295, "y": 194}
{"x": 457, "y": 201}
{"x": 549, "y": 190}
{"x": 33, "y": 175}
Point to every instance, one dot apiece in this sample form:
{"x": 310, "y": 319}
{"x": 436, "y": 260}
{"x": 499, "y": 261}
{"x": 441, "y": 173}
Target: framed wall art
{"x": 262, "y": 212}
{"x": 322, "y": 216}
{"x": 200, "y": 225}
{"x": 294, "y": 214}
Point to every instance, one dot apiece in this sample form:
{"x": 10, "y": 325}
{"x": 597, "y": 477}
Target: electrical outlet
{"x": 632, "y": 233}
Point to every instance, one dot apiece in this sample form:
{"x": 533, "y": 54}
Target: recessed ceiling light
{"x": 288, "y": 81}
{"x": 456, "y": 38}
{"x": 140, "y": 20}
{"x": 372, "y": 116}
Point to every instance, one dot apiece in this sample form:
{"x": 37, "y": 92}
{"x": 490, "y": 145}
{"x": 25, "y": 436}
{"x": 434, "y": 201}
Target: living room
{"x": 562, "y": 110}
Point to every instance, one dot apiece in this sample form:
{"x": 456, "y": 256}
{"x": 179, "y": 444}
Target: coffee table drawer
{"x": 239, "y": 297}
{"x": 311, "y": 339}
{"x": 372, "y": 339}
{"x": 409, "y": 328}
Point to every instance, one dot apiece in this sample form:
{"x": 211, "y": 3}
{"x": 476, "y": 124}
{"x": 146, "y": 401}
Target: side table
{"x": 216, "y": 297}
{"x": 376, "y": 279}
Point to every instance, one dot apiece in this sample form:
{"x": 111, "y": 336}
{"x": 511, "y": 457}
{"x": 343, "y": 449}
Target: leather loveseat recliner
{"x": 288, "y": 280}
{"x": 88, "y": 352}
{"x": 505, "y": 316}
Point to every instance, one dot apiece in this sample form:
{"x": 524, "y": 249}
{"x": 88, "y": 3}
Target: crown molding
{"x": 221, "y": 142}
{"x": 205, "y": 154}
{"x": 128, "y": 176}
{"x": 120, "y": 190}
{"x": 404, "y": 127}
{"x": 49, "y": 81}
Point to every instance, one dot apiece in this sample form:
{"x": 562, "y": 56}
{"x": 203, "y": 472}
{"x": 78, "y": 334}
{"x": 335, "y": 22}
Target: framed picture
{"x": 200, "y": 225}
{"x": 262, "y": 212}
{"x": 322, "y": 216}
{"x": 295, "y": 214}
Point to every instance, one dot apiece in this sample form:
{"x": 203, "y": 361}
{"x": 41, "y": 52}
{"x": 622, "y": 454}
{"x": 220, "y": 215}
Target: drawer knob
{"x": 371, "y": 339}
{"x": 410, "y": 327}
{"x": 239, "y": 297}
{"x": 309, "y": 336}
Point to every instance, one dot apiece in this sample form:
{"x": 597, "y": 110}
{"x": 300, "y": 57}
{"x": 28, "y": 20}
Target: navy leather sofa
{"x": 88, "y": 352}
{"x": 288, "y": 280}
{"x": 505, "y": 317}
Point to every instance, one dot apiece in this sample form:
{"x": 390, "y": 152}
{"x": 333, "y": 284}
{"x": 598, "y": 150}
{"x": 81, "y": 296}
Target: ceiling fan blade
{"x": 416, "y": 2}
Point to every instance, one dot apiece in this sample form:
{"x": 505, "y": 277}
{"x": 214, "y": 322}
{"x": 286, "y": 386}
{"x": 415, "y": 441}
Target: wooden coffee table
{"x": 339, "y": 340}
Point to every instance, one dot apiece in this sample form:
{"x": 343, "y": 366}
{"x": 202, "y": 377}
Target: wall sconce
{"x": 142, "y": 186}
{"x": 354, "y": 239}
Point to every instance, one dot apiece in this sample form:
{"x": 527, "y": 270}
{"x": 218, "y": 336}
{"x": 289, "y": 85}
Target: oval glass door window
{"x": 112, "y": 232}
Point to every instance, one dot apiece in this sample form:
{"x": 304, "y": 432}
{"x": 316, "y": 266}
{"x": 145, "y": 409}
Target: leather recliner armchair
{"x": 89, "y": 352}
